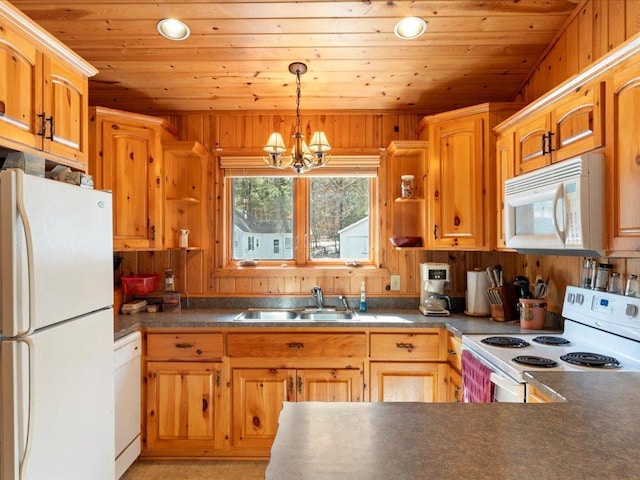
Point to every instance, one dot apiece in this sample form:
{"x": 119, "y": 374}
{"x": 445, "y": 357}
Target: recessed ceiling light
{"x": 410, "y": 27}
{"x": 173, "y": 29}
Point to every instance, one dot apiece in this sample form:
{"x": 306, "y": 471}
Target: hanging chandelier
{"x": 303, "y": 157}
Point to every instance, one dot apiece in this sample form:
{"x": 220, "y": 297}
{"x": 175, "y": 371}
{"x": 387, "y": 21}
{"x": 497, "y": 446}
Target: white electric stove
{"x": 601, "y": 333}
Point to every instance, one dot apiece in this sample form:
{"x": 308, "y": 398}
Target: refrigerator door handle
{"x": 22, "y": 212}
{"x": 31, "y": 405}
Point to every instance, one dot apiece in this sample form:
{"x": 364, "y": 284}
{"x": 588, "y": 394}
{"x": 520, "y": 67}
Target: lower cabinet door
{"x": 408, "y": 382}
{"x": 182, "y": 405}
{"x": 329, "y": 385}
{"x": 258, "y": 394}
{"x": 454, "y": 386}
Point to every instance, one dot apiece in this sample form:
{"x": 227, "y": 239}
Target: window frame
{"x": 367, "y": 166}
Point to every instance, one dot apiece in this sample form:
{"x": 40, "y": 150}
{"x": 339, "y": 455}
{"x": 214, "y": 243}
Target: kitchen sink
{"x": 303, "y": 315}
{"x": 319, "y": 316}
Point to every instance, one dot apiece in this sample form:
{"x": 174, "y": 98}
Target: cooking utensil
{"x": 522, "y": 282}
{"x": 492, "y": 280}
{"x": 541, "y": 289}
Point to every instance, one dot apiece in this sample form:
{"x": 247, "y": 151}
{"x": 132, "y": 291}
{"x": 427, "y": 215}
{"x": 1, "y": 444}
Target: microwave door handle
{"x": 554, "y": 217}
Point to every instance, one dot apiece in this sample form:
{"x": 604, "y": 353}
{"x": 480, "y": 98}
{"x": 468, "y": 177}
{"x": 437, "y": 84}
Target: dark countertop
{"x": 593, "y": 435}
{"x": 201, "y": 318}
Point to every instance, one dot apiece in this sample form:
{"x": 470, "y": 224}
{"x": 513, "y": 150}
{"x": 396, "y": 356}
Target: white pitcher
{"x": 184, "y": 238}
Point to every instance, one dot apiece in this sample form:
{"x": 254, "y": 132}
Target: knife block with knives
{"x": 502, "y": 298}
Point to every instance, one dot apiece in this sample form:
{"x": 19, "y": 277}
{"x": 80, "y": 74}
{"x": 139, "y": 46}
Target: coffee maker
{"x": 433, "y": 279}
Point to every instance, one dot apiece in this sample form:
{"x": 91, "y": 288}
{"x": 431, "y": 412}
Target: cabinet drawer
{"x": 407, "y": 346}
{"x": 454, "y": 352}
{"x": 296, "y": 345}
{"x": 185, "y": 346}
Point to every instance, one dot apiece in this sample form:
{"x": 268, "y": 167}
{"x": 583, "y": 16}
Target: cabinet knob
{"x": 184, "y": 345}
{"x": 407, "y": 346}
{"x": 295, "y": 345}
{"x": 435, "y": 231}
{"x": 452, "y": 352}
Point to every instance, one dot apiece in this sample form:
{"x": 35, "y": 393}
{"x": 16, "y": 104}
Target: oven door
{"x": 508, "y": 390}
{"x": 505, "y": 388}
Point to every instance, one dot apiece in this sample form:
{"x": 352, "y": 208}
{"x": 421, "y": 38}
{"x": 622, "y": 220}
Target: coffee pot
{"x": 433, "y": 279}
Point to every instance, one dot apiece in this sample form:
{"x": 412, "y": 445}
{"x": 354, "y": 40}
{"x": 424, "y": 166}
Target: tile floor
{"x": 195, "y": 470}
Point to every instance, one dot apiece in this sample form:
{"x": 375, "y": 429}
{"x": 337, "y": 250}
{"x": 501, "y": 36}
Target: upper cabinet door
{"x": 65, "y": 108}
{"x": 504, "y": 171}
{"x": 623, "y": 161}
{"x": 531, "y": 135}
{"x": 578, "y": 122}
{"x": 130, "y": 173}
{"x": 20, "y": 73}
{"x": 456, "y": 184}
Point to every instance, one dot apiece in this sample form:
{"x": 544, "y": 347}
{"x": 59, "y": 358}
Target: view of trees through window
{"x": 339, "y": 213}
{"x": 264, "y": 221}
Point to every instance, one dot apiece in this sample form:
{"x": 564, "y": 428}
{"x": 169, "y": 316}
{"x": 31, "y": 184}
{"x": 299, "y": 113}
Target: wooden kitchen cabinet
{"x": 258, "y": 395}
{"x": 408, "y": 366}
{"x": 622, "y": 157}
{"x": 461, "y": 213}
{"x": 126, "y": 158}
{"x": 271, "y": 368}
{"x": 408, "y": 216}
{"x": 185, "y": 186}
{"x": 454, "y": 373}
{"x": 183, "y": 411}
{"x": 504, "y": 171}
{"x": 43, "y": 93}
{"x": 408, "y": 382}
{"x": 568, "y": 127}
{"x": 184, "y": 394}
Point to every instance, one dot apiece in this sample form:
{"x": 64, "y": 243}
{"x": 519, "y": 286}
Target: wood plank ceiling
{"x": 238, "y": 54}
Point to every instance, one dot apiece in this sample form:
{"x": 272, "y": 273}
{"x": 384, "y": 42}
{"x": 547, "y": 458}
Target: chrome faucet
{"x": 343, "y": 299}
{"x": 317, "y": 293}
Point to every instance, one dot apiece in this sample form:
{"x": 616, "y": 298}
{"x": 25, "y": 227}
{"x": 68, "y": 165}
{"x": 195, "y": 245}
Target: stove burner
{"x": 534, "y": 361}
{"x": 508, "y": 342}
{"x": 547, "y": 340}
{"x": 586, "y": 359}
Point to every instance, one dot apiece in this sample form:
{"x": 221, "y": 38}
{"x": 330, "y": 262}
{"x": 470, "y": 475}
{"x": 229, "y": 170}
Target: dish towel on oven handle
{"x": 476, "y": 380}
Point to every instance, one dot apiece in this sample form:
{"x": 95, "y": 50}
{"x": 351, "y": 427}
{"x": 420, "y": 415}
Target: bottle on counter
{"x": 363, "y": 298}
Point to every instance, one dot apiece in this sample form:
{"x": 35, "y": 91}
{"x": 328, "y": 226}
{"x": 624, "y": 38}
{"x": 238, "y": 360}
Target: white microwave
{"x": 557, "y": 209}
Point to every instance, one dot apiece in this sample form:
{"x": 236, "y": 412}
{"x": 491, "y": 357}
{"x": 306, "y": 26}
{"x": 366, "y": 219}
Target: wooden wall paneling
{"x": 632, "y": 265}
{"x": 341, "y": 285}
{"x": 586, "y": 34}
{"x": 292, "y": 284}
{"x": 227, "y": 285}
{"x": 194, "y": 271}
{"x": 616, "y": 19}
{"x": 632, "y": 16}
{"x": 261, "y": 128}
{"x": 570, "y": 54}
{"x": 276, "y": 284}
{"x": 226, "y": 131}
{"x": 599, "y": 27}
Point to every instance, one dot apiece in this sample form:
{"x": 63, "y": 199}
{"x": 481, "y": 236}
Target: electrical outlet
{"x": 395, "y": 283}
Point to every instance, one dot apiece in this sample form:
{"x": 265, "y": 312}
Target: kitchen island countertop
{"x": 594, "y": 434}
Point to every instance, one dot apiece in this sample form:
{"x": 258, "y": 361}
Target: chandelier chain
{"x": 298, "y": 94}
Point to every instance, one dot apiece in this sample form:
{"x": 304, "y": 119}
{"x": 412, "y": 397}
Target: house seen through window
{"x": 331, "y": 224}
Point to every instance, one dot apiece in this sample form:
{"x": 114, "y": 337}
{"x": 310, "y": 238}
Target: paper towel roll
{"x": 477, "y": 302}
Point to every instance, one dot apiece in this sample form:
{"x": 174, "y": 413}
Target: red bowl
{"x": 406, "y": 241}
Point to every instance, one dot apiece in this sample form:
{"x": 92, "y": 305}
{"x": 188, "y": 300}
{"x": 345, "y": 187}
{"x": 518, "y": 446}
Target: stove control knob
{"x": 631, "y": 310}
{"x": 571, "y": 298}
{"x": 579, "y": 298}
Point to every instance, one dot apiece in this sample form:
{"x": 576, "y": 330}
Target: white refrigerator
{"x": 56, "y": 342}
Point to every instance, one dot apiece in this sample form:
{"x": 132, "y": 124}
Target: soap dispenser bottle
{"x": 363, "y": 298}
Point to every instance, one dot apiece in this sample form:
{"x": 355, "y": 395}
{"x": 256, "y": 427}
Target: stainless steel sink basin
{"x": 268, "y": 315}
{"x": 286, "y": 315}
{"x": 326, "y": 316}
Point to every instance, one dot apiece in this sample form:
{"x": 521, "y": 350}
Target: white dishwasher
{"x": 127, "y": 353}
